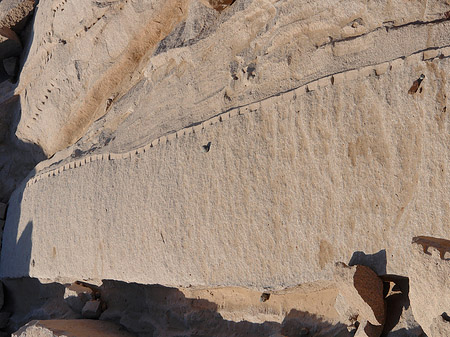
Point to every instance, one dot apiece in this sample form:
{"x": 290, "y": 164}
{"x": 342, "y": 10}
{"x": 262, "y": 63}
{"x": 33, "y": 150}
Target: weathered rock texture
{"x": 17, "y": 158}
{"x": 429, "y": 284}
{"x": 154, "y": 310}
{"x": 317, "y": 148}
{"x": 71, "y": 328}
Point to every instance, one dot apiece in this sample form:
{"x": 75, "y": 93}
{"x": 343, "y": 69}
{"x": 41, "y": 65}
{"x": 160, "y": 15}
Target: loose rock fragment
{"x": 92, "y": 309}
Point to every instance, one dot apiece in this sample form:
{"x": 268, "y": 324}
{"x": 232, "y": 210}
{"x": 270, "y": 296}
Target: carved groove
{"x": 334, "y": 79}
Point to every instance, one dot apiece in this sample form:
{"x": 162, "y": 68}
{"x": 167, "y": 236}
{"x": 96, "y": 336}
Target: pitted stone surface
{"x": 330, "y": 166}
{"x": 429, "y": 289}
{"x": 71, "y": 328}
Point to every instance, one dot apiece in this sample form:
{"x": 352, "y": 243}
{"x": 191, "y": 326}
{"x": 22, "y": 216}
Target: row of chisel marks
{"x": 336, "y": 79}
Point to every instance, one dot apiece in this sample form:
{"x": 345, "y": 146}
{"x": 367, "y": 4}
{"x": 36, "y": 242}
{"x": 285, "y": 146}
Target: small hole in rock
{"x": 207, "y": 147}
{"x": 264, "y": 297}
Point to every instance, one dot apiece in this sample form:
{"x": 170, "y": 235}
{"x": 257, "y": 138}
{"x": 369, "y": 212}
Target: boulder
{"x": 71, "y": 328}
{"x": 429, "y": 284}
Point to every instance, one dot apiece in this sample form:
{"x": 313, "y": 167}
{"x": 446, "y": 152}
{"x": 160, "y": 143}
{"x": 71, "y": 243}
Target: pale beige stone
{"x": 198, "y": 128}
{"x": 171, "y": 137}
{"x": 71, "y": 328}
{"x": 351, "y": 75}
{"x": 115, "y": 156}
{"x": 414, "y": 59}
{"x": 312, "y": 86}
{"x": 380, "y": 69}
{"x": 306, "y": 181}
{"x": 428, "y": 282}
{"x": 440, "y": 327}
{"x": 287, "y": 151}
{"x": 324, "y": 82}
{"x": 366, "y": 71}
{"x": 233, "y": 113}
{"x": 302, "y": 90}
{"x": 397, "y": 64}
{"x": 338, "y": 78}
{"x": 445, "y": 51}
{"x": 177, "y": 67}
{"x": 163, "y": 139}
{"x": 430, "y": 54}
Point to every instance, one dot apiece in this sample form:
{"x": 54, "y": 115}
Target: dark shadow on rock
{"x": 23, "y": 249}
{"x": 17, "y": 161}
{"x": 377, "y": 262}
{"x": 154, "y": 310}
{"x": 17, "y": 158}
{"x": 395, "y": 304}
{"x": 28, "y": 299}
{"x": 398, "y": 307}
{"x": 15, "y": 257}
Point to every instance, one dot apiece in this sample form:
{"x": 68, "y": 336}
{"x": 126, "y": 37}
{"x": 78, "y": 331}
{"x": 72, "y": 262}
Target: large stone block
{"x": 297, "y": 181}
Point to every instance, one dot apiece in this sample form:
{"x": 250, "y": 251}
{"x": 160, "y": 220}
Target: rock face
{"x": 429, "y": 284}
{"x": 17, "y": 158}
{"x": 71, "y": 328}
{"x": 317, "y": 150}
